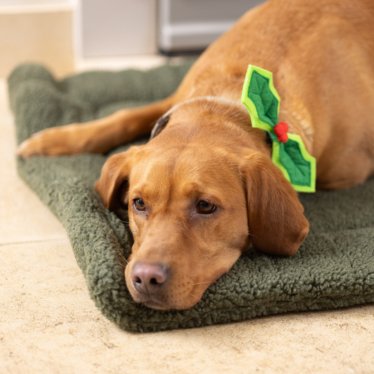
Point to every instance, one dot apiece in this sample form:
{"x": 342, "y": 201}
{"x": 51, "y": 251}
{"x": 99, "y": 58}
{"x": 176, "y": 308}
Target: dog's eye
{"x": 139, "y": 204}
{"x": 205, "y": 207}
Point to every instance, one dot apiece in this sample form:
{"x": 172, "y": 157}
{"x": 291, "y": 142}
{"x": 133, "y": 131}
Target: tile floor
{"x": 49, "y": 324}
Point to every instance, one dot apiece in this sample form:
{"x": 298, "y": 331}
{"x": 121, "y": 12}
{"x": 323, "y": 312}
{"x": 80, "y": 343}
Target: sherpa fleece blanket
{"x": 333, "y": 269}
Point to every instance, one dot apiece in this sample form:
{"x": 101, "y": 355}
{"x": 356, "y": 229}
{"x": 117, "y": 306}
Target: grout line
{"x": 35, "y": 241}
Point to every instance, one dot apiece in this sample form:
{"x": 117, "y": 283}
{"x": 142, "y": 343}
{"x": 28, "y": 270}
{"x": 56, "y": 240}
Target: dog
{"x": 204, "y": 188}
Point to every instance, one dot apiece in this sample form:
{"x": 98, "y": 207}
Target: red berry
{"x": 280, "y": 131}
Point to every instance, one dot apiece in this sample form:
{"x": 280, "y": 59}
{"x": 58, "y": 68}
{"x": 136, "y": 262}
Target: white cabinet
{"x": 118, "y": 27}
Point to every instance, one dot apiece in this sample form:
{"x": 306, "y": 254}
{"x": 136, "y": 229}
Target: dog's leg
{"x": 96, "y": 136}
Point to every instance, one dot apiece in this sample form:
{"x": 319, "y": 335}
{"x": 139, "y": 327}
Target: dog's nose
{"x": 148, "y": 277}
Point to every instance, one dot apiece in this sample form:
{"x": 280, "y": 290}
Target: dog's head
{"x": 194, "y": 206}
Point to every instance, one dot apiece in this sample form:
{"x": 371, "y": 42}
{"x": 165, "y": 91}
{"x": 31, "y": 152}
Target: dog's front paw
{"x": 51, "y": 142}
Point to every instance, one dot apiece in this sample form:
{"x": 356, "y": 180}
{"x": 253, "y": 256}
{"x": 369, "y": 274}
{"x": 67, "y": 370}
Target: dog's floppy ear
{"x": 114, "y": 179}
{"x": 276, "y": 220}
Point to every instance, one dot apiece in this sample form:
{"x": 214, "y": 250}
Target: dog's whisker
{"x": 122, "y": 259}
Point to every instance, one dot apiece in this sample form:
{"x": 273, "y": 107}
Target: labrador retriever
{"x": 204, "y": 188}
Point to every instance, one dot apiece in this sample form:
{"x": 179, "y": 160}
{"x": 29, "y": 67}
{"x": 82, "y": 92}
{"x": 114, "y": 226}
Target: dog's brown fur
{"x": 322, "y": 58}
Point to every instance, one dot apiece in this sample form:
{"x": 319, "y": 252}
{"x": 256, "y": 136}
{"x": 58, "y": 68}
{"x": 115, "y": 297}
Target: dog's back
{"x": 322, "y": 58}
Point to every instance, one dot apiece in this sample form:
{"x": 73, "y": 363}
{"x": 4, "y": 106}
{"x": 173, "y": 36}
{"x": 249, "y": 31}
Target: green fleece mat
{"x": 334, "y": 268}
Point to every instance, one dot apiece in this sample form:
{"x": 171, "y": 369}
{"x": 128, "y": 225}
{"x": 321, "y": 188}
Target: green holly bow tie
{"x": 288, "y": 150}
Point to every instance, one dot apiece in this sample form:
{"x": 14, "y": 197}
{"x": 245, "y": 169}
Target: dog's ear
{"x": 113, "y": 180}
{"x": 276, "y": 221}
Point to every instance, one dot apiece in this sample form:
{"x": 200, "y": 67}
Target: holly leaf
{"x": 262, "y": 102}
{"x": 297, "y": 165}
{"x": 261, "y": 98}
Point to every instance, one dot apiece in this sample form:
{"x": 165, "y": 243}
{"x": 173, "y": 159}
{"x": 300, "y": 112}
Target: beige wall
{"x": 36, "y": 35}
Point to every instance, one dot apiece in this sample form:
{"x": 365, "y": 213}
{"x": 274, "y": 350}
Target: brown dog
{"x": 204, "y": 188}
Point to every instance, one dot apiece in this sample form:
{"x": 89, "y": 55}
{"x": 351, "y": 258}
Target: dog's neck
{"x": 236, "y": 115}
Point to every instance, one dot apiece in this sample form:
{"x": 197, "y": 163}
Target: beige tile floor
{"x": 49, "y": 324}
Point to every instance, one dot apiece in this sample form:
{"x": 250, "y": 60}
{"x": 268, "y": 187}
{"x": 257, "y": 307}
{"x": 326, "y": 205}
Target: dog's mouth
{"x": 160, "y": 302}
{"x": 151, "y": 302}
{"x": 155, "y": 305}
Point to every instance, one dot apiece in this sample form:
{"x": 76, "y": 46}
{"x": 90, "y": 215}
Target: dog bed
{"x": 333, "y": 269}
